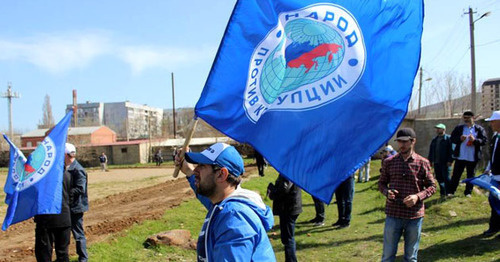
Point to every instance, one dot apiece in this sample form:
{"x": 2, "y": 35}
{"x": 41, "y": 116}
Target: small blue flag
{"x": 487, "y": 182}
{"x": 34, "y": 184}
{"x": 315, "y": 86}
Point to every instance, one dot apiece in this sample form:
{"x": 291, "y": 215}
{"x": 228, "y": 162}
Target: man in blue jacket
{"x": 237, "y": 219}
{"x": 441, "y": 158}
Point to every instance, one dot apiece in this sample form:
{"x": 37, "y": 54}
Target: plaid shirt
{"x": 407, "y": 177}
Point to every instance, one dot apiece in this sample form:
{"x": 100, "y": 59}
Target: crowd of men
{"x": 237, "y": 220}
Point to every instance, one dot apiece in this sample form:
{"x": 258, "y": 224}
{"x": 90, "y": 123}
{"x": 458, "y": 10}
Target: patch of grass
{"x": 445, "y": 236}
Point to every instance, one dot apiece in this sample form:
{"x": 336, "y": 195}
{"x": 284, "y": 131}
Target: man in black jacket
{"x": 79, "y": 202}
{"x": 494, "y": 169}
{"x": 441, "y": 158}
{"x": 54, "y": 231}
{"x": 287, "y": 204}
{"x": 468, "y": 139}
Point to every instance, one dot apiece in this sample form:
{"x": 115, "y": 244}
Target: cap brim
{"x": 198, "y": 158}
{"x": 403, "y": 138}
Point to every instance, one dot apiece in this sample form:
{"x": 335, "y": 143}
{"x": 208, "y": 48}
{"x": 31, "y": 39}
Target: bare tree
{"x": 47, "y": 118}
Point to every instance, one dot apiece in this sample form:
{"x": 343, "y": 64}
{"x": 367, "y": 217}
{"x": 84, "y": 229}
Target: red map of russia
{"x": 308, "y": 59}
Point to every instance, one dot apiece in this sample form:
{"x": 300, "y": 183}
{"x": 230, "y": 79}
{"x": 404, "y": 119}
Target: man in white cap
{"x": 79, "y": 200}
{"x": 237, "y": 219}
{"x": 494, "y": 169}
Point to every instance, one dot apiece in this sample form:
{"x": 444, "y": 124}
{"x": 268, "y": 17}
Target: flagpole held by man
{"x": 34, "y": 184}
{"x": 287, "y": 72}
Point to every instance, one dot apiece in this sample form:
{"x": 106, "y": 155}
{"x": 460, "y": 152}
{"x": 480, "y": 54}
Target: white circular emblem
{"x": 37, "y": 165}
{"x": 313, "y": 56}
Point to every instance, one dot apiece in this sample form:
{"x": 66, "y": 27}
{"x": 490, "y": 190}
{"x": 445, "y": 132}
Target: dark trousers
{"x": 494, "y": 220}
{"x": 79, "y": 235}
{"x": 344, "y": 195}
{"x": 260, "y": 165}
{"x": 319, "y": 206}
{"x": 287, "y": 228}
{"x": 458, "y": 169}
{"x": 48, "y": 238}
{"x": 442, "y": 172}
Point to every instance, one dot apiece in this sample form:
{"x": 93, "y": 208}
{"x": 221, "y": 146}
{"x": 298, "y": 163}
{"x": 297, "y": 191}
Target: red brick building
{"x": 89, "y": 135}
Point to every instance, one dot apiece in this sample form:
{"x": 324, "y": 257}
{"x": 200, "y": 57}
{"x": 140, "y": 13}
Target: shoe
{"x": 338, "y": 223}
{"x": 344, "y": 225}
{"x": 490, "y": 232}
{"x": 314, "y": 220}
{"x": 468, "y": 195}
{"x": 319, "y": 224}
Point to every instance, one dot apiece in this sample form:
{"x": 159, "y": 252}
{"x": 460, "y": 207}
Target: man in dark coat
{"x": 468, "y": 139}
{"x": 287, "y": 204}
{"x": 79, "y": 202}
{"x": 494, "y": 169}
{"x": 54, "y": 231}
{"x": 441, "y": 158}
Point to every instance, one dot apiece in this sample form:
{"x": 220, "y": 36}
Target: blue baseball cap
{"x": 219, "y": 154}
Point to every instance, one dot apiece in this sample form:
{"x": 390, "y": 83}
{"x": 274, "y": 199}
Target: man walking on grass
{"x": 406, "y": 180}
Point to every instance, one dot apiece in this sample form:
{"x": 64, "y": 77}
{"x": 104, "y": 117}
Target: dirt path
{"x": 118, "y": 199}
{"x": 110, "y": 212}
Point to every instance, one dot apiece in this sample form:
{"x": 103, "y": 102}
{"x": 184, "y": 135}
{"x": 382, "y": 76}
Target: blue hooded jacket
{"x": 235, "y": 229}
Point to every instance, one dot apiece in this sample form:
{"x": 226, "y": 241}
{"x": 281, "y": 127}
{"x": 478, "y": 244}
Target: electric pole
{"x": 473, "y": 57}
{"x": 173, "y": 106}
{"x": 9, "y": 95}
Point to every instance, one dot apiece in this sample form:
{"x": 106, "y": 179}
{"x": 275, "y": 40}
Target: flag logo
{"x": 28, "y": 172}
{"x": 313, "y": 56}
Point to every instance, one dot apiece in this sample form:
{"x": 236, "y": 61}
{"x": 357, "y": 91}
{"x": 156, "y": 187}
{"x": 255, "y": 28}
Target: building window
{"x": 124, "y": 150}
{"x": 29, "y": 144}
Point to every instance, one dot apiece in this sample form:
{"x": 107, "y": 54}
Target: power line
{"x": 489, "y": 43}
{"x": 466, "y": 51}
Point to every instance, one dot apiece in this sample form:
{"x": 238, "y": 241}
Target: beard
{"x": 206, "y": 189}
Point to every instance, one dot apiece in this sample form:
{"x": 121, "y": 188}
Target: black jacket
{"x": 63, "y": 219}
{"x": 480, "y": 140}
{"x": 79, "y": 201}
{"x": 495, "y": 165}
{"x": 286, "y": 196}
{"x": 445, "y": 150}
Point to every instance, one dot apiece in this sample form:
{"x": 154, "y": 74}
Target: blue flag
{"x": 487, "y": 182}
{"x": 34, "y": 184}
{"x": 315, "y": 86}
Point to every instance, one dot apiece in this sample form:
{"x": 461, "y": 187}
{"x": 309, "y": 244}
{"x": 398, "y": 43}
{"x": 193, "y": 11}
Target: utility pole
{"x": 472, "y": 62}
{"x": 9, "y": 95}
{"x": 473, "y": 57}
{"x": 420, "y": 92}
{"x": 420, "y": 89}
{"x": 173, "y": 106}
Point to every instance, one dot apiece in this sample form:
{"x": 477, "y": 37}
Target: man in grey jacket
{"x": 79, "y": 202}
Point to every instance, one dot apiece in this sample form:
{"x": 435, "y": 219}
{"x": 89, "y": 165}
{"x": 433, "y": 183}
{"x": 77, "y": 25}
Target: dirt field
{"x": 118, "y": 199}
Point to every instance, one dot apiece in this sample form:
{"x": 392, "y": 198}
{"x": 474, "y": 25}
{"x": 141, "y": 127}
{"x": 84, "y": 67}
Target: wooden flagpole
{"x": 186, "y": 144}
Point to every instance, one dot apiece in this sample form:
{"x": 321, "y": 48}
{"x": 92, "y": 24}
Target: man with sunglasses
{"x": 406, "y": 180}
{"x": 237, "y": 219}
{"x": 468, "y": 139}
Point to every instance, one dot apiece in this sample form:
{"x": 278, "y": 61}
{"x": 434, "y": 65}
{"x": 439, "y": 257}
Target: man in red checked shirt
{"x": 406, "y": 180}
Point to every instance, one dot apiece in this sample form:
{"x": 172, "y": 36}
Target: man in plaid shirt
{"x": 406, "y": 180}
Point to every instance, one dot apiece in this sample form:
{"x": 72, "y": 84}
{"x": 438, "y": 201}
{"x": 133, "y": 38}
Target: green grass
{"x": 444, "y": 237}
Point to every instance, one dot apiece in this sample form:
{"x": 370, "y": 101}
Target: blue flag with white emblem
{"x": 315, "y": 86}
{"x": 34, "y": 184}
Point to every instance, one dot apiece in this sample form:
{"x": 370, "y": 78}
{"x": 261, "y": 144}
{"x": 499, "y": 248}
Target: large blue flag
{"x": 34, "y": 184}
{"x": 315, "y": 86}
